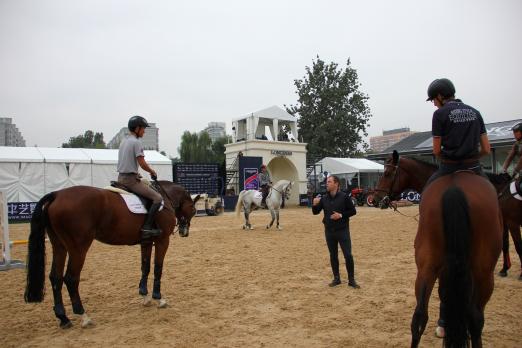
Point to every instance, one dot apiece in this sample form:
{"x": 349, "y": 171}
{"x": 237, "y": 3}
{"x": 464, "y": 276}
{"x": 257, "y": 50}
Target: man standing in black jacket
{"x": 338, "y": 208}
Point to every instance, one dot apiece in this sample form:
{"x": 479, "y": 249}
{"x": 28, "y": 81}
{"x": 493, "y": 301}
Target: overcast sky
{"x": 67, "y": 66}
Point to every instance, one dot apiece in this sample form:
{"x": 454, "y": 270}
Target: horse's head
{"x": 389, "y": 185}
{"x": 184, "y": 205}
{"x": 185, "y": 212}
{"x": 287, "y": 190}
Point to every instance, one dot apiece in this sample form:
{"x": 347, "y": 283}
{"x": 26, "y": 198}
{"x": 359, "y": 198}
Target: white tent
{"x": 27, "y": 173}
{"x": 348, "y": 168}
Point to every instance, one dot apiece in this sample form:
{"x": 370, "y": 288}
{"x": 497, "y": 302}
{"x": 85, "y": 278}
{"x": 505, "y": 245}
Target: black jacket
{"x": 340, "y": 203}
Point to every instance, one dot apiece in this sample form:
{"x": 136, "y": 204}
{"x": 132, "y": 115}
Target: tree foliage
{"x": 332, "y": 112}
{"x": 88, "y": 140}
{"x": 199, "y": 148}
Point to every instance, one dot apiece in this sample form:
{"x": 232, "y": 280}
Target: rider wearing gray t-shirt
{"x": 130, "y": 155}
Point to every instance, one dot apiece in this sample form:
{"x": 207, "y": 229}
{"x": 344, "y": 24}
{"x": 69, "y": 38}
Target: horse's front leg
{"x": 146, "y": 251}
{"x": 247, "y": 224}
{"x": 272, "y": 212}
{"x": 505, "y": 252}
{"x": 517, "y": 241}
{"x": 159, "y": 256}
{"x": 277, "y": 217}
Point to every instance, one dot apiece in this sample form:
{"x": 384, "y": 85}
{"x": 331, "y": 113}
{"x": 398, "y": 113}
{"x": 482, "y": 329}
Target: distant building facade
{"x": 9, "y": 134}
{"x": 150, "y": 140}
{"x": 216, "y": 130}
{"x": 388, "y": 138}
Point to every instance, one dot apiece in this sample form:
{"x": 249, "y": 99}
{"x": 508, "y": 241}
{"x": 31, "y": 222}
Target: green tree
{"x": 199, "y": 148}
{"x": 88, "y": 140}
{"x": 332, "y": 112}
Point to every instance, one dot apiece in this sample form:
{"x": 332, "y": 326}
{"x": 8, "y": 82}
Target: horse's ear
{"x": 395, "y": 157}
{"x": 196, "y": 199}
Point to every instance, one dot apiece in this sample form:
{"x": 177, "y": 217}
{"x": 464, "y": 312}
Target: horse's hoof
{"x": 162, "y": 303}
{"x": 66, "y": 325}
{"x": 439, "y": 332}
{"x": 86, "y": 321}
{"x": 267, "y": 227}
{"x": 503, "y": 273}
{"x": 244, "y": 227}
{"x": 279, "y": 228}
{"x": 147, "y": 301}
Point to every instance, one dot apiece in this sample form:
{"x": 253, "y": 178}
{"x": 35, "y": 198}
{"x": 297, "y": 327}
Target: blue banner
{"x": 248, "y": 169}
{"x": 20, "y": 211}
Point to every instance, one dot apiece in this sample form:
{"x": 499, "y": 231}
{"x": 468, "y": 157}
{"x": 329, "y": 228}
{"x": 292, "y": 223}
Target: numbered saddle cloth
{"x": 258, "y": 195}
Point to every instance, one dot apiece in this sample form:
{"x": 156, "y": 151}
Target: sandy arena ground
{"x": 230, "y": 288}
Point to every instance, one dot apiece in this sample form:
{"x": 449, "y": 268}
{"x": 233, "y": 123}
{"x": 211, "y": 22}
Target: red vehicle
{"x": 361, "y": 196}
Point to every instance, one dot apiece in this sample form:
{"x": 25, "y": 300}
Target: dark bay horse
{"x": 458, "y": 242}
{"x": 512, "y": 217}
{"x": 74, "y": 217}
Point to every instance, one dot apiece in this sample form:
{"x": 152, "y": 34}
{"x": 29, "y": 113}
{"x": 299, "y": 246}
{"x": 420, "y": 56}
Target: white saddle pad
{"x": 133, "y": 202}
{"x": 258, "y": 195}
{"x": 513, "y": 190}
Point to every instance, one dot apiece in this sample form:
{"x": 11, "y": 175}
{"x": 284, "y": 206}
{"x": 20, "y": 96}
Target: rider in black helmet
{"x": 457, "y": 129}
{"x": 516, "y": 150}
{"x": 130, "y": 155}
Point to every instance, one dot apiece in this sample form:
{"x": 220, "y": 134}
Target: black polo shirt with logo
{"x": 460, "y": 127}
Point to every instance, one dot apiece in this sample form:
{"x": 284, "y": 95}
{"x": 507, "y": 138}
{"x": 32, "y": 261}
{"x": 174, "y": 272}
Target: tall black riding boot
{"x": 147, "y": 231}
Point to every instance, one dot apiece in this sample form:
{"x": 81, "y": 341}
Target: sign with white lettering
{"x": 281, "y": 153}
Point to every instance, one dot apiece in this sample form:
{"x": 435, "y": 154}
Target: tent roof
{"x": 350, "y": 165}
{"x": 71, "y": 155}
{"x": 59, "y": 155}
{"x": 20, "y": 154}
{"x": 273, "y": 112}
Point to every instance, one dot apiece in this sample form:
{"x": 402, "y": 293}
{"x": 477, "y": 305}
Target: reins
{"x": 396, "y": 178}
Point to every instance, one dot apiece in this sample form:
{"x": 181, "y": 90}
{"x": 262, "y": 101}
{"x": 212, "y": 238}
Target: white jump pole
{"x": 6, "y": 263}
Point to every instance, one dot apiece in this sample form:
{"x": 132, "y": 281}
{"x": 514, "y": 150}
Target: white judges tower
{"x": 271, "y": 134}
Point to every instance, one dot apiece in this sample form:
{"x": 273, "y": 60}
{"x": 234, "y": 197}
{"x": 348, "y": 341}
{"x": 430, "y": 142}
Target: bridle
{"x": 181, "y": 221}
{"x": 385, "y": 202}
{"x": 396, "y": 178}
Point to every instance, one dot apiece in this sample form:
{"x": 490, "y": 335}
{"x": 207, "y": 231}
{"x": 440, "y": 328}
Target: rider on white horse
{"x": 264, "y": 183}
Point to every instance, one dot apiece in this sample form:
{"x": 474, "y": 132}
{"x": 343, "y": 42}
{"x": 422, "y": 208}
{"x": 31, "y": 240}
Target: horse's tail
{"x": 34, "y": 290}
{"x": 456, "y": 275}
{"x": 239, "y": 202}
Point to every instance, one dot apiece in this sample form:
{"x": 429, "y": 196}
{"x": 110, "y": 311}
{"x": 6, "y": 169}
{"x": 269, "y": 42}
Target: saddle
{"x": 140, "y": 205}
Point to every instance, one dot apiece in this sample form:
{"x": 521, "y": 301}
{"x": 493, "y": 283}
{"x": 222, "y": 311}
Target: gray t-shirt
{"x": 129, "y": 150}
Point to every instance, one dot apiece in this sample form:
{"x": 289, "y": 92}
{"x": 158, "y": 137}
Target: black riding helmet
{"x": 517, "y": 127}
{"x": 137, "y": 121}
{"x": 444, "y": 87}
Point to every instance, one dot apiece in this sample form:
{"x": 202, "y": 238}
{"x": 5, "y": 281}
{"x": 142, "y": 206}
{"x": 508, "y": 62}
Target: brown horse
{"x": 512, "y": 217}
{"x": 74, "y": 217}
{"x": 458, "y": 242}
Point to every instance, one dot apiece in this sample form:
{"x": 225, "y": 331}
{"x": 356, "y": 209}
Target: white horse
{"x": 247, "y": 198}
